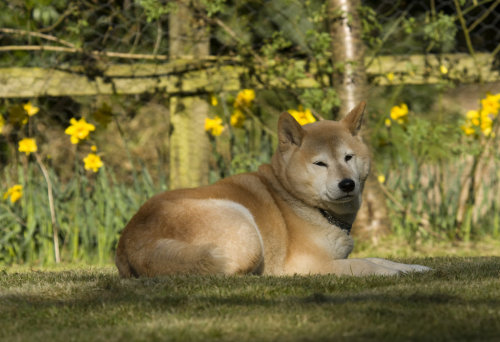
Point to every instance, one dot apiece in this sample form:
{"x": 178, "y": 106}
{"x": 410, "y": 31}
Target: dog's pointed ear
{"x": 354, "y": 119}
{"x": 289, "y": 132}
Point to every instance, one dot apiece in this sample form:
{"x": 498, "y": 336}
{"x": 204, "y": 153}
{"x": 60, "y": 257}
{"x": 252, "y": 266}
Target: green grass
{"x": 394, "y": 246}
{"x": 459, "y": 300}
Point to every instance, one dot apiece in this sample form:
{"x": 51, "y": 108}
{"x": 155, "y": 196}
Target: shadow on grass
{"x": 459, "y": 300}
{"x": 93, "y": 288}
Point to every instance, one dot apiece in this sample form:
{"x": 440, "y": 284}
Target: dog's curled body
{"x": 265, "y": 222}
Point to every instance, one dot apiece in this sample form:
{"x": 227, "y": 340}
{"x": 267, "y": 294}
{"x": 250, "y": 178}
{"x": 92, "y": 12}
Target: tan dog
{"x": 290, "y": 217}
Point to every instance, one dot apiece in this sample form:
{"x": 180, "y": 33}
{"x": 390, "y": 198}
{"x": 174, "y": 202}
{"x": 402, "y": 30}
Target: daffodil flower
{"x": 302, "y": 116}
{"x": 473, "y": 117}
{"x": 27, "y": 145}
{"x": 244, "y": 98}
{"x": 79, "y": 130}
{"x": 491, "y": 104}
{"x": 482, "y": 120}
{"x": 237, "y": 118}
{"x": 468, "y": 130}
{"x": 30, "y": 109}
{"x": 214, "y": 126}
{"x": 2, "y": 123}
{"x": 213, "y": 101}
{"x": 15, "y": 193}
{"x": 92, "y": 162}
{"x": 400, "y": 113}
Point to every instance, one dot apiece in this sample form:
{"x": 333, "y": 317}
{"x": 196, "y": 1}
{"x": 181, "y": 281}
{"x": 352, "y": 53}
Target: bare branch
{"x": 481, "y": 18}
{"x": 37, "y": 34}
{"x": 464, "y": 28}
{"x": 76, "y": 50}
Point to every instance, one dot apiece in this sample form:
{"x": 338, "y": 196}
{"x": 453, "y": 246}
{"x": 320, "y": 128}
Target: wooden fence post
{"x": 349, "y": 80}
{"x": 189, "y": 145}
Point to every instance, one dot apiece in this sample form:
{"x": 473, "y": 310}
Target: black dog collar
{"x": 335, "y": 221}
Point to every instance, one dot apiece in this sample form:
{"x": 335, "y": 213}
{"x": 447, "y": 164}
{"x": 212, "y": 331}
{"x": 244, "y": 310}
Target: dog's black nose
{"x": 347, "y": 185}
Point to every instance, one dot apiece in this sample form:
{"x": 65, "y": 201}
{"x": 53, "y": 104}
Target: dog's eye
{"x": 320, "y": 163}
{"x": 348, "y": 157}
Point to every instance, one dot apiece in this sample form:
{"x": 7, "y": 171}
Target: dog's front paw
{"x": 401, "y": 268}
{"x": 419, "y": 268}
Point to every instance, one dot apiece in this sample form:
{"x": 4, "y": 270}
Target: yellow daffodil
{"x": 443, "y": 69}
{"x": 302, "y": 116}
{"x": 390, "y": 76}
{"x": 491, "y": 104}
{"x": 237, "y": 118}
{"x": 93, "y": 148}
{"x": 15, "y": 193}
{"x": 213, "y": 101}
{"x": 468, "y": 130}
{"x": 79, "y": 130}
{"x": 381, "y": 179}
{"x": 473, "y": 117}
{"x": 2, "y": 123}
{"x": 214, "y": 126}
{"x": 92, "y": 162}
{"x": 486, "y": 125}
{"x": 30, "y": 109}
{"x": 482, "y": 120}
{"x": 387, "y": 122}
{"x": 244, "y": 98}
{"x": 400, "y": 113}
{"x": 27, "y": 145}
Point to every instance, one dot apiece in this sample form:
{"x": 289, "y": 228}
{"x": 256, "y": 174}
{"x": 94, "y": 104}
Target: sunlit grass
{"x": 457, "y": 301}
{"x": 393, "y": 246}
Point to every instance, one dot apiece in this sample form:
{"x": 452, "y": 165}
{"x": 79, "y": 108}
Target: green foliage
{"x": 90, "y": 213}
{"x": 324, "y": 101}
{"x": 212, "y": 7}
{"x": 440, "y": 33}
{"x": 247, "y": 161}
{"x": 320, "y": 44}
{"x": 422, "y": 140}
{"x": 370, "y": 26}
{"x": 243, "y": 145}
{"x": 421, "y": 33}
{"x": 155, "y": 8}
{"x": 437, "y": 190}
{"x": 45, "y": 15}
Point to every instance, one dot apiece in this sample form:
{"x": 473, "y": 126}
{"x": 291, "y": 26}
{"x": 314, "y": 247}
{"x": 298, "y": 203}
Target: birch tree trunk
{"x": 349, "y": 80}
{"x": 189, "y": 145}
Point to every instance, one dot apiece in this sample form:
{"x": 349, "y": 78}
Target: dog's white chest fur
{"x": 329, "y": 243}
{"x": 335, "y": 242}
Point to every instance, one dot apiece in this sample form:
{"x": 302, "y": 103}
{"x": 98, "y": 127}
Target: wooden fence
{"x": 212, "y": 76}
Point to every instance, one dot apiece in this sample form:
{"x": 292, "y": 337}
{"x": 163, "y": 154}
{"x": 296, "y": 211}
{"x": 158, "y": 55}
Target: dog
{"x": 292, "y": 216}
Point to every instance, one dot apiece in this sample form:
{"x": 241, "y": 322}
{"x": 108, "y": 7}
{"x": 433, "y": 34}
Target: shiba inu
{"x": 292, "y": 216}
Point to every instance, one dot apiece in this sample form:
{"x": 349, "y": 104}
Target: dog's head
{"x": 325, "y": 163}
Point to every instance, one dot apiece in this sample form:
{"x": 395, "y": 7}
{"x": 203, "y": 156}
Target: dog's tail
{"x": 168, "y": 256}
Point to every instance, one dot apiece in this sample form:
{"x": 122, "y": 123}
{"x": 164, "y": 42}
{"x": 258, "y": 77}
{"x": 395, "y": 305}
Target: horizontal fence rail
{"x": 212, "y": 75}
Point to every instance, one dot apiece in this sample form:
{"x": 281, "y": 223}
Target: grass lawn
{"x": 459, "y": 300}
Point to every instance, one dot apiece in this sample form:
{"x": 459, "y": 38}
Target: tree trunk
{"x": 349, "y": 80}
{"x": 189, "y": 145}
